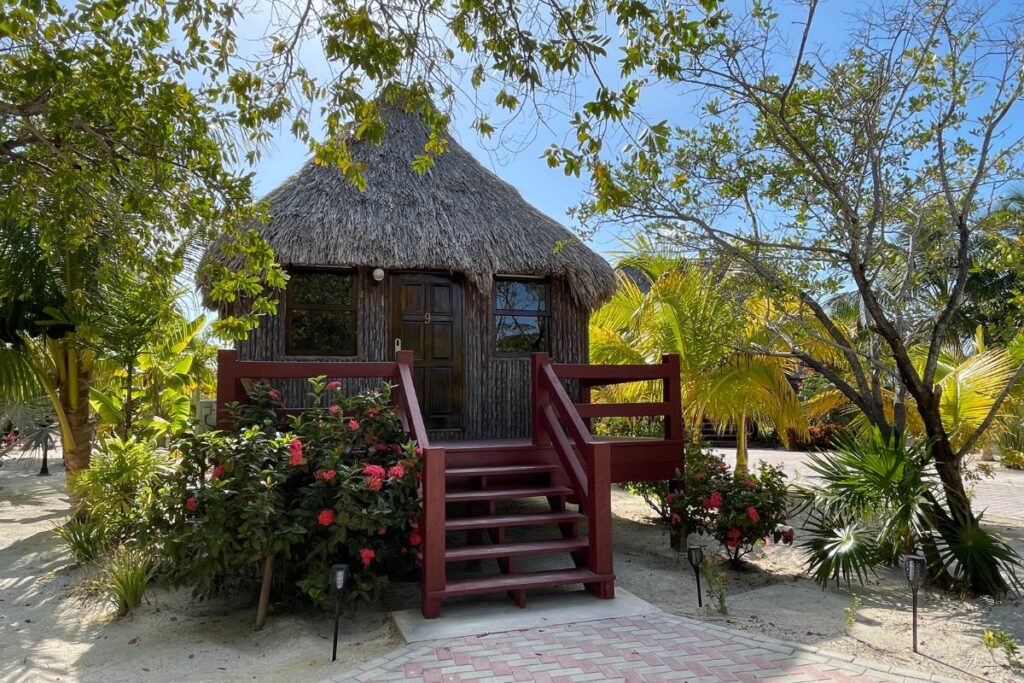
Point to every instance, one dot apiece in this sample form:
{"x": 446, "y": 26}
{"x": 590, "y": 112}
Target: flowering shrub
{"x": 819, "y": 436}
{"x": 340, "y": 485}
{"x": 738, "y": 509}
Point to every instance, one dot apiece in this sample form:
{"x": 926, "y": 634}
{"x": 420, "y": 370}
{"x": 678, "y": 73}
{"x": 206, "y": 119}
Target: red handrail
{"x": 591, "y": 478}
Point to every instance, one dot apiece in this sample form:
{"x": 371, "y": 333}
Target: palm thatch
{"x": 457, "y": 217}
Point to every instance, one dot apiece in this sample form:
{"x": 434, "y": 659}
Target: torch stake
{"x": 914, "y": 622}
{"x": 700, "y": 593}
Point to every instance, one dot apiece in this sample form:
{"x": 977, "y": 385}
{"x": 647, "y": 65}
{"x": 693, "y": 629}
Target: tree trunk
{"x": 74, "y": 398}
{"x": 741, "y": 443}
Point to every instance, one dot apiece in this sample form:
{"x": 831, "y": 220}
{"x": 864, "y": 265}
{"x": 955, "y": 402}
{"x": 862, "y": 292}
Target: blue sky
{"x": 547, "y": 189}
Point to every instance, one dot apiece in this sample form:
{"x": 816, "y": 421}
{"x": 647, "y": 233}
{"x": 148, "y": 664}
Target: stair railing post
{"x": 432, "y": 575}
{"x": 673, "y": 395}
{"x": 599, "y": 517}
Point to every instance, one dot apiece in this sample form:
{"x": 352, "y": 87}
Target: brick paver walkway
{"x": 656, "y": 647}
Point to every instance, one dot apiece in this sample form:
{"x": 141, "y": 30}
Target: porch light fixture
{"x": 913, "y": 569}
{"x": 378, "y": 274}
{"x": 339, "y": 580}
{"x": 695, "y": 554}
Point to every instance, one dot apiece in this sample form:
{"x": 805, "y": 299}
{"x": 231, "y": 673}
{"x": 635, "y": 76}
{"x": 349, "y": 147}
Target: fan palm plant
{"x": 665, "y": 305}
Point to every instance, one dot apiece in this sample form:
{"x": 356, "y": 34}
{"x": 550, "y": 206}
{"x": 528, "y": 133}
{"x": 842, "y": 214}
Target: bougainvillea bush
{"x": 339, "y": 484}
{"x": 738, "y": 509}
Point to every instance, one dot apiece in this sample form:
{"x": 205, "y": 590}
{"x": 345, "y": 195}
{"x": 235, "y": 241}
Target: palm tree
{"x": 666, "y": 305}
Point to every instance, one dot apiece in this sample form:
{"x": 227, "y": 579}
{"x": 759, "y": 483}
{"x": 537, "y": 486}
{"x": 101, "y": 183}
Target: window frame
{"x": 544, "y": 313}
{"x": 291, "y": 306}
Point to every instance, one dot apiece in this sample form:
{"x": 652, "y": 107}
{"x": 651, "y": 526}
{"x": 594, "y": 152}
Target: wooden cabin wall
{"x": 497, "y": 391}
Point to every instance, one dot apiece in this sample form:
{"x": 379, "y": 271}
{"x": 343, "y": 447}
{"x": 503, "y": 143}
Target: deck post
{"x": 599, "y": 518}
{"x": 432, "y": 574}
{"x": 226, "y": 384}
{"x": 673, "y": 394}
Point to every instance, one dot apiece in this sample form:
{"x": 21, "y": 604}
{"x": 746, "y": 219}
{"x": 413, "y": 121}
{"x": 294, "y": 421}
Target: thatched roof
{"x": 457, "y": 217}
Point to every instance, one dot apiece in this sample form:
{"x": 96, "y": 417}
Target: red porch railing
{"x": 231, "y": 372}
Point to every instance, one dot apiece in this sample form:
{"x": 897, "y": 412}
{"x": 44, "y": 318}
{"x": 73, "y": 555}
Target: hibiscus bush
{"x": 738, "y": 509}
{"x": 338, "y": 484}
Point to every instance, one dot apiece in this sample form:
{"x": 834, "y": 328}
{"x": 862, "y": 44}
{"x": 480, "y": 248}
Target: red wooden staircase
{"x": 510, "y": 501}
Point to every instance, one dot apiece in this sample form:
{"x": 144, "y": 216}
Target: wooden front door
{"x": 426, "y": 315}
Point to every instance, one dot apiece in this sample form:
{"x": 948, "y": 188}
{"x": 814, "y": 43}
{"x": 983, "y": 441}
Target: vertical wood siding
{"x": 497, "y": 392}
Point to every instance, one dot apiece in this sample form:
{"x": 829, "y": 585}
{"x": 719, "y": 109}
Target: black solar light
{"x": 695, "y": 554}
{"x": 913, "y": 568}
{"x": 339, "y": 580}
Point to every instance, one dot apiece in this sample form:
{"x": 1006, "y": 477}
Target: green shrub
{"x": 340, "y": 485}
{"x": 850, "y": 613}
{"x": 1013, "y": 459}
{"x": 739, "y": 509}
{"x": 116, "y": 489}
{"x": 715, "y": 582}
{"x": 126, "y": 577}
{"x": 83, "y": 538}
{"x": 654, "y": 493}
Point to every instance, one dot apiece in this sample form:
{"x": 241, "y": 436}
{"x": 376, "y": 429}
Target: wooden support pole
{"x": 264, "y": 603}
{"x": 599, "y": 518}
{"x": 432, "y": 574}
{"x": 672, "y": 394}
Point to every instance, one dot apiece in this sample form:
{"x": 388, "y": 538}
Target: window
{"x": 320, "y": 313}
{"x": 520, "y": 316}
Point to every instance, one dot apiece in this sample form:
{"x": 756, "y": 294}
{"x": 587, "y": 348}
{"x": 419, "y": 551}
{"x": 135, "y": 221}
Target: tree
{"x": 820, "y": 174}
{"x": 665, "y": 305}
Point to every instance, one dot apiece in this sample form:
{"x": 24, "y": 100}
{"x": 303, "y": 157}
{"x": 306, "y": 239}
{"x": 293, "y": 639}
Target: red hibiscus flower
{"x": 415, "y": 538}
{"x": 353, "y": 425}
{"x": 367, "y": 555}
{"x": 296, "y": 458}
{"x": 326, "y": 517}
{"x": 332, "y": 385}
{"x": 396, "y": 472}
{"x": 714, "y": 501}
{"x": 732, "y": 538}
{"x": 218, "y": 472}
{"x": 191, "y": 504}
{"x": 752, "y": 514}
{"x": 334, "y": 411}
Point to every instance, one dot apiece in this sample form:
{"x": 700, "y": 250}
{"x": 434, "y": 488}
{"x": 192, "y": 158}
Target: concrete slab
{"x": 500, "y": 615}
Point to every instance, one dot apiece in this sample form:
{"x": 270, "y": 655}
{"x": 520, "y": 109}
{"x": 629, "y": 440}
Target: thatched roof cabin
{"x": 454, "y": 261}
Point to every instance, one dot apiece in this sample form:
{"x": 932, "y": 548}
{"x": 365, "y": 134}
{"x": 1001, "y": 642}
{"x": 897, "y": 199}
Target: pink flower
{"x": 296, "y": 458}
{"x": 331, "y": 386}
{"x": 374, "y": 483}
{"x": 218, "y": 472}
{"x": 334, "y": 411}
{"x": 749, "y": 483}
{"x": 326, "y": 517}
{"x": 714, "y": 501}
{"x": 328, "y": 475}
{"x": 676, "y": 519}
{"x": 191, "y": 504}
{"x": 752, "y": 514}
{"x": 396, "y": 472}
{"x": 274, "y": 394}
{"x": 415, "y": 538}
{"x": 353, "y": 425}
{"x": 367, "y": 555}
{"x": 375, "y": 471}
{"x": 733, "y": 538}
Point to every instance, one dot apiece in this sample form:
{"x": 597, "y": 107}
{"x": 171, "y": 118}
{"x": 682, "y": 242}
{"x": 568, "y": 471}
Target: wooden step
{"x": 508, "y": 582}
{"x": 500, "y": 471}
{"x": 504, "y": 521}
{"x": 506, "y": 493}
{"x": 490, "y": 551}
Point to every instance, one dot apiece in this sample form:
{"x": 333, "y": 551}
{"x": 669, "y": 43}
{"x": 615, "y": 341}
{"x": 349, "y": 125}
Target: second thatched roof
{"x": 457, "y": 217}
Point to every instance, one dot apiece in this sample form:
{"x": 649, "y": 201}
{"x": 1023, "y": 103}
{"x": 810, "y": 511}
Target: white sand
{"x": 49, "y": 632}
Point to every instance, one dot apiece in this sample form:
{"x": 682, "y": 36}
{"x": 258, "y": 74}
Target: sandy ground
{"x": 50, "y": 632}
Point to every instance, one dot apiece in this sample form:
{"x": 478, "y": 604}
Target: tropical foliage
{"x": 666, "y": 305}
